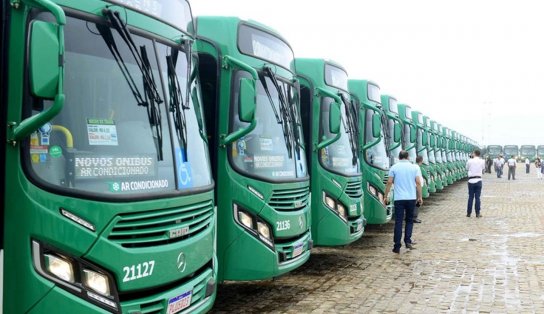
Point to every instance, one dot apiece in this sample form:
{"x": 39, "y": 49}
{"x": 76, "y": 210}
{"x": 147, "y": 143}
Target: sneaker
{"x": 396, "y": 250}
{"x": 409, "y": 246}
{"x": 468, "y": 215}
{"x": 478, "y": 215}
{"x": 417, "y": 220}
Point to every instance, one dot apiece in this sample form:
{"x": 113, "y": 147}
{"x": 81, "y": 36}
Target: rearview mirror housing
{"x": 44, "y": 59}
{"x": 376, "y": 125}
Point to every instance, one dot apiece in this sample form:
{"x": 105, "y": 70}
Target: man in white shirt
{"x": 475, "y": 167}
{"x": 512, "y": 168}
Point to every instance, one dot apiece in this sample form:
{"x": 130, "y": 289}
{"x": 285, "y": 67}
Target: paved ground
{"x": 493, "y": 264}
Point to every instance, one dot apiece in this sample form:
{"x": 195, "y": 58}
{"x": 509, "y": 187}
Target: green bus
{"x": 393, "y": 129}
{"x": 447, "y": 144}
{"x": 422, "y": 149}
{"x": 494, "y": 150}
{"x": 528, "y": 151}
{"x": 373, "y": 149}
{"x": 435, "y": 158}
{"x": 107, "y": 194}
{"x": 511, "y": 151}
{"x": 540, "y": 151}
{"x": 409, "y": 142}
{"x": 251, "y": 102}
{"x": 330, "y": 135}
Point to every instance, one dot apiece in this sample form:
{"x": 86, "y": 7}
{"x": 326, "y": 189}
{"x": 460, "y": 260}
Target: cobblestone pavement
{"x": 493, "y": 264}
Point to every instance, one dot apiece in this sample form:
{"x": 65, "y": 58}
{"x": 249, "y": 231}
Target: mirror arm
{"x": 227, "y": 139}
{"x": 228, "y": 60}
{"x": 327, "y": 142}
{"x": 373, "y": 143}
{"x": 33, "y": 123}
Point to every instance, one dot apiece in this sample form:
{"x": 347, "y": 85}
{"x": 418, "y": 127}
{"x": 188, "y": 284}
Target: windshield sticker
{"x": 55, "y": 151}
{"x": 266, "y": 144}
{"x": 45, "y": 132}
{"x": 110, "y": 167}
{"x": 102, "y": 132}
{"x": 288, "y": 173}
{"x": 325, "y": 155}
{"x": 34, "y": 140}
{"x": 129, "y": 186}
{"x": 341, "y": 162}
{"x": 268, "y": 161}
{"x": 183, "y": 170}
{"x": 242, "y": 146}
{"x": 39, "y": 149}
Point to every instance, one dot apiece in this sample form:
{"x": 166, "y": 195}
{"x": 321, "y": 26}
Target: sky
{"x": 475, "y": 66}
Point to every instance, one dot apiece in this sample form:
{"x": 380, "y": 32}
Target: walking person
{"x": 488, "y": 164}
{"x": 475, "y": 168}
{"x": 512, "y": 168}
{"x": 497, "y": 165}
{"x": 527, "y": 165}
{"x": 407, "y": 180}
{"x": 502, "y": 162}
{"x": 538, "y": 165}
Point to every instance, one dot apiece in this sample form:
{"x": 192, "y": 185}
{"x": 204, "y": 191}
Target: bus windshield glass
{"x": 393, "y": 105}
{"x": 113, "y": 135}
{"x": 338, "y": 156}
{"x": 269, "y": 152}
{"x": 376, "y": 155}
{"x": 528, "y": 150}
{"x": 422, "y": 150}
{"x": 336, "y": 77}
{"x": 175, "y": 12}
{"x": 438, "y": 156}
{"x": 373, "y": 92}
{"x": 265, "y": 46}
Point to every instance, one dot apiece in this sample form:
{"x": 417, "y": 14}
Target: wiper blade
{"x": 152, "y": 98}
{"x": 287, "y": 113}
{"x": 283, "y": 119}
{"x": 352, "y": 117}
{"x": 177, "y": 107}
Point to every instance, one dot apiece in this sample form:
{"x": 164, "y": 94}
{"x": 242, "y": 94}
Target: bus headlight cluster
{"x": 253, "y": 224}
{"x": 376, "y": 193}
{"x": 77, "y": 276}
{"x": 336, "y": 206}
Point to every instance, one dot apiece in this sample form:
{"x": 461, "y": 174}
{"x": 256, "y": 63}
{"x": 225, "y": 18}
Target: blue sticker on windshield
{"x": 183, "y": 170}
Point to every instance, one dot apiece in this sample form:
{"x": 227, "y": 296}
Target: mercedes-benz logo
{"x": 181, "y": 262}
{"x": 301, "y": 222}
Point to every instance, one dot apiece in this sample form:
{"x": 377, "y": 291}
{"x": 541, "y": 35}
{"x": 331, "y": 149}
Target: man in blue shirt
{"x": 407, "y": 180}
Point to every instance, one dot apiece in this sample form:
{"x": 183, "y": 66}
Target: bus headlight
{"x": 254, "y": 225}
{"x": 329, "y": 201}
{"x": 245, "y": 219}
{"x": 60, "y": 267}
{"x": 372, "y": 190}
{"x": 342, "y": 211}
{"x": 96, "y": 281}
{"x": 76, "y": 275}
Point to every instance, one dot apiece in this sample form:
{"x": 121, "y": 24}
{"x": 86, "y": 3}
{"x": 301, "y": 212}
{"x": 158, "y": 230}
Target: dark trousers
{"x": 401, "y": 208}
{"x": 527, "y": 168}
{"x": 512, "y": 171}
{"x": 474, "y": 192}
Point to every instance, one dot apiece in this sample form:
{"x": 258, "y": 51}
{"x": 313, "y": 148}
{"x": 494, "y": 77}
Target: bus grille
{"x": 161, "y": 227}
{"x": 385, "y": 179}
{"x": 354, "y": 189}
{"x": 289, "y": 200}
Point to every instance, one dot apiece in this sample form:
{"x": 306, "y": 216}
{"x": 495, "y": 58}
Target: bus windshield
{"x": 422, "y": 150}
{"x": 528, "y": 151}
{"x": 438, "y": 156}
{"x": 118, "y": 133}
{"x": 269, "y": 152}
{"x": 338, "y": 156}
{"x": 394, "y": 153}
{"x": 376, "y": 155}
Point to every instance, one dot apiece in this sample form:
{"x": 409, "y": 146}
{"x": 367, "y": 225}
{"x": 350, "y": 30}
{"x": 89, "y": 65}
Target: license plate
{"x": 179, "y": 303}
{"x": 297, "y": 250}
{"x": 352, "y": 208}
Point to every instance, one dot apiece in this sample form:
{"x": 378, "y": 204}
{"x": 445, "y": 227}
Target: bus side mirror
{"x": 334, "y": 117}
{"x": 413, "y": 134}
{"x": 246, "y": 108}
{"x": 376, "y": 125}
{"x": 425, "y": 139}
{"x": 396, "y": 132}
{"x": 44, "y": 59}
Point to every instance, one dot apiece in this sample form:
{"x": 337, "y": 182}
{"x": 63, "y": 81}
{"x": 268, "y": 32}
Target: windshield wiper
{"x": 284, "y": 118}
{"x": 177, "y": 106}
{"x": 352, "y": 117}
{"x": 287, "y": 113}
{"x": 151, "y": 98}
